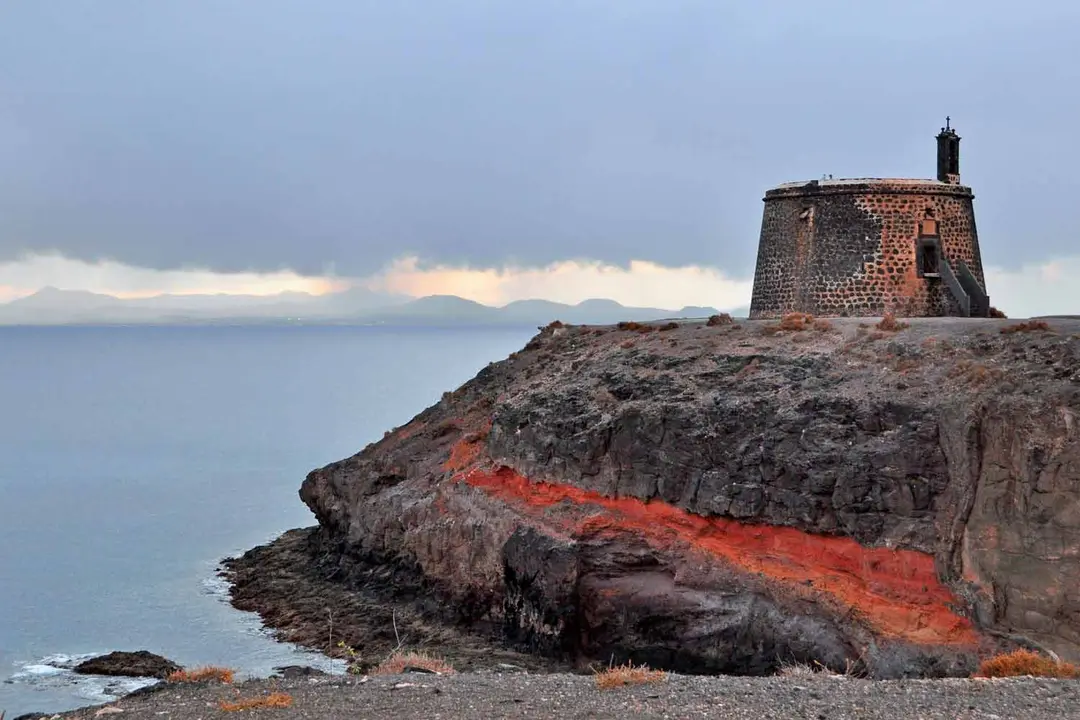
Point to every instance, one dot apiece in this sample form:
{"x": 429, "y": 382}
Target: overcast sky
{"x": 343, "y": 135}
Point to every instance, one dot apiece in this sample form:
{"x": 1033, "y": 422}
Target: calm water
{"x": 133, "y": 459}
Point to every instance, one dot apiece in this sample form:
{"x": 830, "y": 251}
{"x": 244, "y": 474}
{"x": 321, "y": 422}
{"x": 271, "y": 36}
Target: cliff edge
{"x": 720, "y": 497}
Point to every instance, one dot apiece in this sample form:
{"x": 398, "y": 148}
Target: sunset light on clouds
{"x": 1033, "y": 289}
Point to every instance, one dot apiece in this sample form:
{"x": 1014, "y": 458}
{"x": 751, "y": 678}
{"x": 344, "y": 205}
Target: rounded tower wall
{"x": 850, "y": 247}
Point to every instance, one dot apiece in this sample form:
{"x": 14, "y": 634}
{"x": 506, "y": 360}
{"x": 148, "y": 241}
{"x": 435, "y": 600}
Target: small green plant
{"x": 355, "y": 666}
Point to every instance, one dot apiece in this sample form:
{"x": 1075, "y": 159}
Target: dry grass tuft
{"x": 995, "y": 313}
{"x": 1025, "y": 662}
{"x": 889, "y": 323}
{"x": 669, "y": 326}
{"x": 721, "y": 319}
{"x": 398, "y": 662}
{"x": 273, "y": 700}
{"x": 203, "y": 674}
{"x": 798, "y": 322}
{"x": 1029, "y": 326}
{"x": 797, "y": 670}
{"x": 628, "y": 674}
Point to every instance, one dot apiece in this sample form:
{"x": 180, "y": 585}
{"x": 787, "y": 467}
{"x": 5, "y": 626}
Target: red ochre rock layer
{"x": 896, "y": 592}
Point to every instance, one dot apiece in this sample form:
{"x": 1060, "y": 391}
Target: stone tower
{"x": 867, "y": 246}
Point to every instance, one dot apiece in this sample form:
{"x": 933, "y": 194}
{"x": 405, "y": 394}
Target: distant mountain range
{"x": 358, "y": 306}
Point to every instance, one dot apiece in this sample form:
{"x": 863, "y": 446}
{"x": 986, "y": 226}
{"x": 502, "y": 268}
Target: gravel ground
{"x": 519, "y": 695}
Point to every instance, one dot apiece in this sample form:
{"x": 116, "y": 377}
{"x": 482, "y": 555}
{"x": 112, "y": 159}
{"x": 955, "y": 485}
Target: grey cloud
{"x": 283, "y": 134}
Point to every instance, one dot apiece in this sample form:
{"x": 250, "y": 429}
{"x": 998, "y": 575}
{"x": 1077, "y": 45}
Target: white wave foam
{"x": 54, "y": 672}
{"x": 216, "y": 586}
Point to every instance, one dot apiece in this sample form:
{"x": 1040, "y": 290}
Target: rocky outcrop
{"x": 730, "y": 498}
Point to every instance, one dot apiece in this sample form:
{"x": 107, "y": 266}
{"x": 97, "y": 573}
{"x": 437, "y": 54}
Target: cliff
{"x": 730, "y": 497}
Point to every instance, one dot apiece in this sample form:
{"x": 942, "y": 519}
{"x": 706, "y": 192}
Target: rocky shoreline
{"x": 296, "y": 586}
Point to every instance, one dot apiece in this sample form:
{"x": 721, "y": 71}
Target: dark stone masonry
{"x": 865, "y": 247}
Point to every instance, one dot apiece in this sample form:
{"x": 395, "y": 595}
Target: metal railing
{"x": 980, "y": 301}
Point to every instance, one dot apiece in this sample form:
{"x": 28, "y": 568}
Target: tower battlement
{"x": 868, "y": 246}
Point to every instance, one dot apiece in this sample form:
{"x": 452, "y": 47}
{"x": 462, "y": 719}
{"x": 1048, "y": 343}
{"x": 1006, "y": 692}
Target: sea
{"x": 133, "y": 459}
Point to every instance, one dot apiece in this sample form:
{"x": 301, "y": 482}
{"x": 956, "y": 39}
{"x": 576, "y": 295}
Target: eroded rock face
{"x": 733, "y": 498}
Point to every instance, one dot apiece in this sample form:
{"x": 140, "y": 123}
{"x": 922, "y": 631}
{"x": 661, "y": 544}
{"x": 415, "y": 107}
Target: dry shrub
{"x": 995, "y": 313}
{"x": 399, "y": 661}
{"x": 806, "y": 670}
{"x": 555, "y": 325}
{"x": 203, "y": 674}
{"x": 797, "y": 670}
{"x": 598, "y": 332}
{"x": 1029, "y": 326}
{"x": 974, "y": 373}
{"x": 446, "y": 428}
{"x": 889, "y": 323}
{"x": 901, "y": 363}
{"x": 1026, "y": 662}
{"x": 721, "y": 319}
{"x": 669, "y": 326}
{"x": 628, "y": 674}
{"x": 748, "y": 369}
{"x": 796, "y": 321}
{"x": 635, "y": 327}
{"x": 273, "y": 700}
{"x": 822, "y": 325}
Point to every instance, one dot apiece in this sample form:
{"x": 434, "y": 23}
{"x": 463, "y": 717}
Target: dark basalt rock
{"x": 129, "y": 664}
{"x": 290, "y": 672}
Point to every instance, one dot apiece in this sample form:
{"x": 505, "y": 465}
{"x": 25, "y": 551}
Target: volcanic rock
{"x": 128, "y": 664}
{"x": 735, "y": 497}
